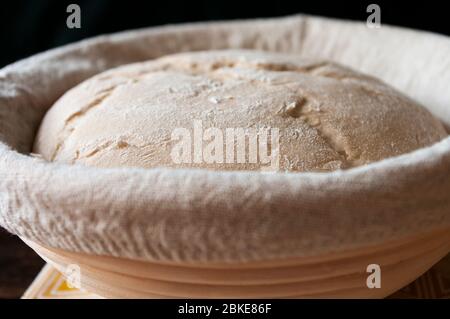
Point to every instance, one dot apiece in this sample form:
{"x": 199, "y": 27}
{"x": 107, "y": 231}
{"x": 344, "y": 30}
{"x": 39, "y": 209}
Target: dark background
{"x": 31, "y": 26}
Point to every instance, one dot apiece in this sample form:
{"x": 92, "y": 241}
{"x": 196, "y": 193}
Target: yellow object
{"x": 50, "y": 284}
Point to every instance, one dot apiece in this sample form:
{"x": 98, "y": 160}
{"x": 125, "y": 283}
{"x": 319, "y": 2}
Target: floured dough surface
{"x": 328, "y": 116}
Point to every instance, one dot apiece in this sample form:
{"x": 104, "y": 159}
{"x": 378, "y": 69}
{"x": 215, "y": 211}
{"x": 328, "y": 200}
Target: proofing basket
{"x": 197, "y": 233}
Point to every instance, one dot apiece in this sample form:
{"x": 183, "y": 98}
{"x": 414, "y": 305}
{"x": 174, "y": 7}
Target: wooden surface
{"x": 434, "y": 284}
{"x": 19, "y": 265}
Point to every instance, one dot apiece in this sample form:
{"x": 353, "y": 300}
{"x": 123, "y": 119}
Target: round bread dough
{"x": 311, "y": 115}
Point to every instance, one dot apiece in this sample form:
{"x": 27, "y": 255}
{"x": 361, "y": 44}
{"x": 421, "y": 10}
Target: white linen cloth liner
{"x": 205, "y": 216}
